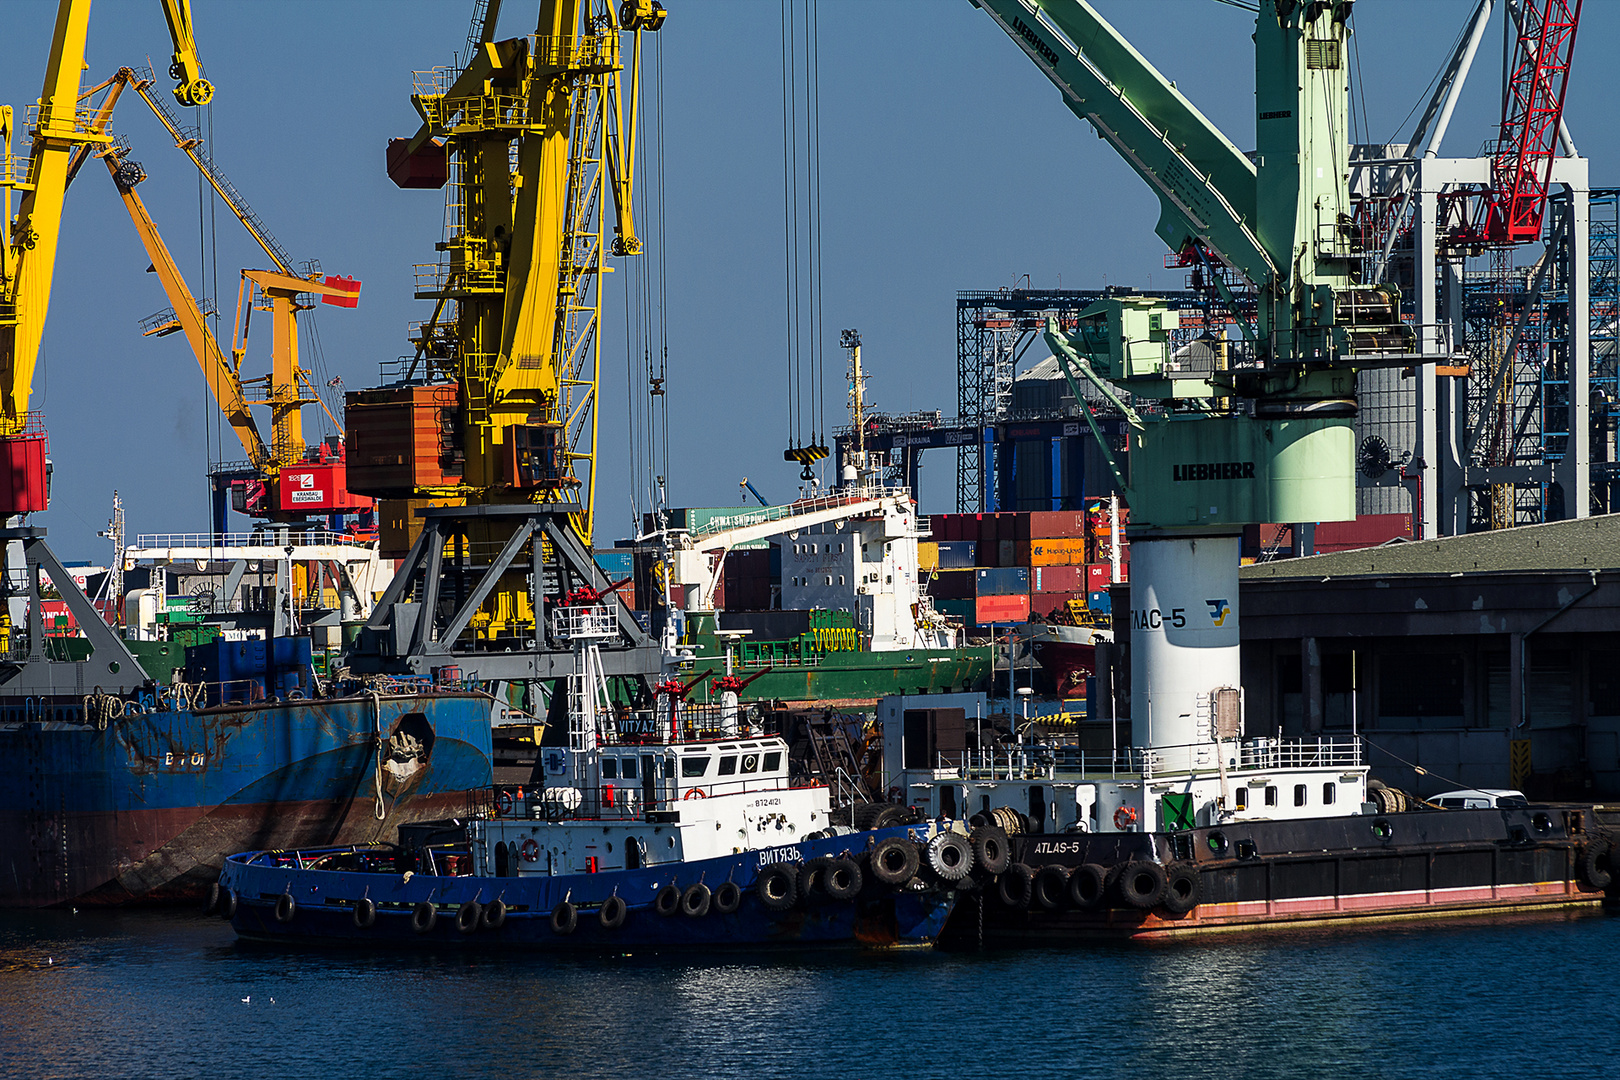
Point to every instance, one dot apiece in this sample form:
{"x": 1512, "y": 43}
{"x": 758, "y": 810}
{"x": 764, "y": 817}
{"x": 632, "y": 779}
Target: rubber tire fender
{"x": 495, "y": 914}
{"x": 949, "y": 856}
{"x": 286, "y": 908}
{"x": 424, "y": 917}
{"x": 365, "y": 913}
{"x": 894, "y": 862}
{"x": 695, "y": 901}
{"x": 668, "y": 900}
{"x": 813, "y": 875}
{"x": 1183, "y": 887}
{"x": 211, "y": 901}
{"x": 1017, "y": 886}
{"x": 727, "y": 898}
{"x": 891, "y": 817}
{"x": 564, "y": 918}
{"x": 1597, "y": 863}
{"x": 468, "y": 916}
{"x": 1142, "y": 883}
{"x": 991, "y": 852}
{"x": 227, "y": 904}
{"x": 842, "y": 879}
{"x": 777, "y": 887}
{"x": 1051, "y": 887}
{"x": 613, "y": 913}
{"x": 1088, "y": 885}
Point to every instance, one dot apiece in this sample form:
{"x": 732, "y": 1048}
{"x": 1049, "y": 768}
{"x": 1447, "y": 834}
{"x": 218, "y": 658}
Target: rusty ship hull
{"x": 146, "y": 807}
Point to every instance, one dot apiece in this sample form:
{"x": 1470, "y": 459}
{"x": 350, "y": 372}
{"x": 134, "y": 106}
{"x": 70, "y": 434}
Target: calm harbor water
{"x": 170, "y": 994}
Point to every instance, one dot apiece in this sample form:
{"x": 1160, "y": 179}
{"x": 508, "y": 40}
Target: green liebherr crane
{"x": 1267, "y": 438}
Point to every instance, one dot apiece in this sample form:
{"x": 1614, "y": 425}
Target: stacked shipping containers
{"x": 975, "y": 563}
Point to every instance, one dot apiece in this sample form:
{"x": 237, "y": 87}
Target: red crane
{"x": 1532, "y": 108}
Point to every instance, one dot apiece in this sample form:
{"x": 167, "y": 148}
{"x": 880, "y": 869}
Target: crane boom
{"x": 29, "y": 238}
{"x": 1532, "y": 110}
{"x": 1206, "y": 186}
{"x": 222, "y": 378}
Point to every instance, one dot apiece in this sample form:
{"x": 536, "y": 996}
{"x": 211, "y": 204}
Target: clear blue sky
{"x": 948, "y": 163}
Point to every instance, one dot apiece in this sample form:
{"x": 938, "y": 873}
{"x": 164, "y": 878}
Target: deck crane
{"x": 284, "y": 480}
{"x": 28, "y": 238}
{"x": 1267, "y": 437}
{"x": 535, "y": 144}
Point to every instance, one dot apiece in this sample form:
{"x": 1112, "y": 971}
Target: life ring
{"x": 530, "y": 850}
{"x": 695, "y": 793}
{"x": 503, "y": 803}
{"x": 1124, "y": 817}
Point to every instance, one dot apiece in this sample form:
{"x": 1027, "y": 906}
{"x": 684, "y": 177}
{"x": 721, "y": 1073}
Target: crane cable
{"x": 801, "y": 197}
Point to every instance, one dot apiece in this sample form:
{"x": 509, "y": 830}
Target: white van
{"x": 1477, "y": 799}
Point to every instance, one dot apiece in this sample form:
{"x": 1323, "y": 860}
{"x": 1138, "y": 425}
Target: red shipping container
{"x": 1048, "y": 604}
{"x": 1368, "y": 530}
{"x": 22, "y": 474}
{"x": 1001, "y": 609}
{"x": 1056, "y": 579}
{"x": 1097, "y": 576}
{"x": 986, "y": 529}
{"x": 1052, "y": 524}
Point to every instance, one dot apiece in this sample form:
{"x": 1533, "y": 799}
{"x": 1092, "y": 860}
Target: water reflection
{"x": 162, "y": 994}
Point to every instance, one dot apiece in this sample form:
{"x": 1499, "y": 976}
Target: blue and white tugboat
{"x": 672, "y": 826}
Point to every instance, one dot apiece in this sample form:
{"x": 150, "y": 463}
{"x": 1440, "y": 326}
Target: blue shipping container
{"x": 1100, "y": 601}
{"x": 617, "y": 564}
{"x": 958, "y": 554}
{"x": 1003, "y": 581}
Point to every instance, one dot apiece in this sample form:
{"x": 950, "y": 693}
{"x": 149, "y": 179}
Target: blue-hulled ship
{"x": 125, "y": 776}
{"x": 675, "y": 825}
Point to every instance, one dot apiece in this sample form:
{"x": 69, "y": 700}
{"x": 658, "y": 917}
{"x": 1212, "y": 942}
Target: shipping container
{"x": 987, "y": 533}
{"x": 1368, "y": 530}
{"x": 1006, "y": 553}
{"x": 1001, "y": 609}
{"x": 958, "y": 555}
{"x": 616, "y": 563}
{"x": 927, "y": 555}
{"x": 1050, "y": 603}
{"x": 1057, "y": 552}
{"x": 401, "y": 439}
{"x": 1100, "y": 601}
{"x": 1056, "y": 579}
{"x": 1003, "y": 581}
{"x": 952, "y": 585}
{"x": 1098, "y": 576}
{"x": 1053, "y": 524}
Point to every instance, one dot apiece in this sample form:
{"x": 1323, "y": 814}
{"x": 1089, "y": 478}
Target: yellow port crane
{"x": 281, "y": 292}
{"x": 58, "y": 127}
{"x": 529, "y": 137}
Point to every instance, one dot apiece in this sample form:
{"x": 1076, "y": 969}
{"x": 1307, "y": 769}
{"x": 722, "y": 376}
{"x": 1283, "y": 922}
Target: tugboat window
{"x": 610, "y": 768}
{"x": 1271, "y": 796}
{"x": 1328, "y": 791}
{"x": 629, "y": 768}
{"x": 694, "y": 766}
{"x": 728, "y": 765}
{"x": 773, "y": 762}
{"x": 1242, "y": 798}
{"x": 750, "y": 763}
{"x": 1299, "y": 794}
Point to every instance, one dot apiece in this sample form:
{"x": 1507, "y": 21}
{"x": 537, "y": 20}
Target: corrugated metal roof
{"x": 1584, "y": 544}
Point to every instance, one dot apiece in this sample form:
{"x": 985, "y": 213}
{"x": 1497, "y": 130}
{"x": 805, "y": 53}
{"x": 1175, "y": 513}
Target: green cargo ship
{"x": 819, "y": 656}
